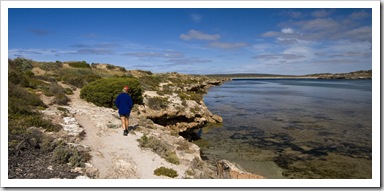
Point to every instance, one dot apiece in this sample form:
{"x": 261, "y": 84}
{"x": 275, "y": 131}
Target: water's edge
{"x": 284, "y": 137}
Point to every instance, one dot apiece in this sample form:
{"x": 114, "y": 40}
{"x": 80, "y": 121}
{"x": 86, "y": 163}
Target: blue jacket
{"x": 124, "y": 103}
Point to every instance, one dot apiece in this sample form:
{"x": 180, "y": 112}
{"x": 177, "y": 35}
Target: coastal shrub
{"x": 82, "y": 64}
{"x": 22, "y": 114}
{"x": 103, "y": 92}
{"x": 17, "y": 78}
{"x": 150, "y": 82}
{"x": 158, "y": 103}
{"x": 47, "y": 77}
{"x": 78, "y": 77}
{"x": 21, "y": 101}
{"x": 61, "y": 99}
{"x": 78, "y": 158}
{"x": 162, "y": 149}
{"x": 55, "y": 88}
{"x": 63, "y": 154}
{"x": 21, "y": 64}
{"x": 50, "y": 66}
{"x": 68, "y": 91}
{"x": 190, "y": 95}
{"x": 162, "y": 171}
{"x": 171, "y": 157}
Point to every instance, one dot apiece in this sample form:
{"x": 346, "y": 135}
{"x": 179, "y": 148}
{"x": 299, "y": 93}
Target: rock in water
{"x": 227, "y": 170}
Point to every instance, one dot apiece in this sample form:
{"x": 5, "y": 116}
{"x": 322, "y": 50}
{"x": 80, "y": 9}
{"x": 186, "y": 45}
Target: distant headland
{"x": 361, "y": 74}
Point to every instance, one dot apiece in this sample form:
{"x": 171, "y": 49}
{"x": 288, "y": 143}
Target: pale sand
{"x": 114, "y": 155}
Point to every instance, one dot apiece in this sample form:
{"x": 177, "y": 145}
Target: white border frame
{"x": 276, "y": 183}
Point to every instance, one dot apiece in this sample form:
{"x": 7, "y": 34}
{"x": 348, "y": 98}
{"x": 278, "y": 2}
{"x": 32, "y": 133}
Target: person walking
{"x": 124, "y": 104}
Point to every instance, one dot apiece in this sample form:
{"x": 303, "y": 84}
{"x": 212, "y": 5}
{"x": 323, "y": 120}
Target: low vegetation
{"x": 82, "y": 64}
{"x": 64, "y": 154}
{"x": 162, "y": 149}
{"x": 77, "y": 77}
{"x": 158, "y": 103}
{"x": 27, "y": 145}
{"x": 162, "y": 171}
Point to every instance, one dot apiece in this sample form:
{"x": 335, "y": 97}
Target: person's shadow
{"x": 133, "y": 127}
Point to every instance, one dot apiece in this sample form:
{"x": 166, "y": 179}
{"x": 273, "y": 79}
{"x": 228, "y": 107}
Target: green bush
{"x": 78, "y": 77}
{"x": 165, "y": 172}
{"x": 68, "y": 91}
{"x": 22, "y": 113}
{"x": 20, "y": 64}
{"x": 103, "y": 92}
{"x": 50, "y": 66}
{"x": 17, "y": 78}
{"x": 22, "y": 102}
{"x": 82, "y": 64}
{"x": 63, "y": 154}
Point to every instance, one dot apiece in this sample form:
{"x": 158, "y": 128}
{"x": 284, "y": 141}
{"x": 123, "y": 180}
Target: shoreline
{"x": 283, "y": 125}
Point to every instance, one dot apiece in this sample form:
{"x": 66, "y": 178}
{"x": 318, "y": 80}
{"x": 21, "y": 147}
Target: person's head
{"x": 125, "y": 89}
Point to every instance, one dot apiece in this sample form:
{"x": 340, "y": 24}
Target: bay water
{"x": 292, "y": 128}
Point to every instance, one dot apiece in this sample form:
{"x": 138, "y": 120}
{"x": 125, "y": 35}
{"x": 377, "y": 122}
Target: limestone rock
{"x": 227, "y": 170}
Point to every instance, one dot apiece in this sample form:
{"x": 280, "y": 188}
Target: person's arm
{"x": 117, "y": 102}
{"x": 130, "y": 103}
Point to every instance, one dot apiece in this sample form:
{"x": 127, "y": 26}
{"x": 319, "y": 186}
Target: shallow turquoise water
{"x": 293, "y": 128}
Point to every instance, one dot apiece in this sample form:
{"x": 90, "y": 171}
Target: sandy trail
{"x": 114, "y": 155}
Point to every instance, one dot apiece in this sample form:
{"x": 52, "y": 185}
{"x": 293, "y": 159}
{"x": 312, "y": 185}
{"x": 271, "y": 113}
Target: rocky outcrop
{"x": 177, "y": 112}
{"x": 227, "y": 170}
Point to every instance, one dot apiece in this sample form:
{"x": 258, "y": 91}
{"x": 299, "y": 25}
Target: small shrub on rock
{"x": 162, "y": 149}
{"x": 165, "y": 172}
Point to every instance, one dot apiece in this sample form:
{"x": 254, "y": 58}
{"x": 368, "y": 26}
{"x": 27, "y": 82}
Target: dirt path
{"x": 114, "y": 155}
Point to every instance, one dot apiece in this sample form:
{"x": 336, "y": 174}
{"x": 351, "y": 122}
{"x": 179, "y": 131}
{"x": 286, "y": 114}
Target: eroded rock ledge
{"x": 227, "y": 170}
{"x": 178, "y": 105}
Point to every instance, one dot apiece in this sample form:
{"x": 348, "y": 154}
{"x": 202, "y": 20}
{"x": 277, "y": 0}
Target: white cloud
{"x": 263, "y": 48}
{"x": 278, "y": 56}
{"x": 322, "y": 29}
{"x": 36, "y": 51}
{"x": 287, "y": 31}
{"x": 194, "y": 34}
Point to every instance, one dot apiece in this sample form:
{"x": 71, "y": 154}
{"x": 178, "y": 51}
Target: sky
{"x": 292, "y": 41}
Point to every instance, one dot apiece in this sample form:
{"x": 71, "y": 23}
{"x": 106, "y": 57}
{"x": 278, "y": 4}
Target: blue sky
{"x": 197, "y": 41}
